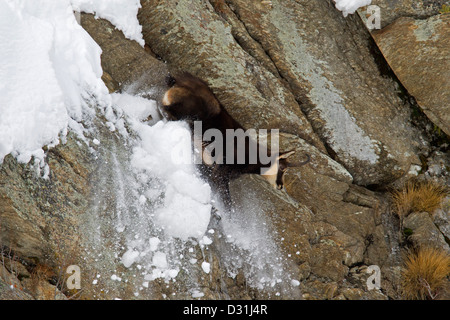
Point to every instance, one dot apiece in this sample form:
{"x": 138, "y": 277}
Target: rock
{"x": 359, "y": 294}
{"x": 348, "y": 214}
{"x": 312, "y": 73}
{"x": 438, "y": 166}
{"x": 417, "y": 51}
{"x": 317, "y": 290}
{"x": 40, "y": 218}
{"x": 268, "y": 214}
{"x": 352, "y": 293}
{"x": 391, "y": 10}
{"x": 424, "y": 231}
{"x": 8, "y": 293}
{"x": 327, "y": 261}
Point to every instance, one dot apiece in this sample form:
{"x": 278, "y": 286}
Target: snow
{"x": 350, "y": 6}
{"x": 170, "y": 189}
{"x": 205, "y": 241}
{"x": 114, "y": 277}
{"x": 160, "y": 260}
{"x": 121, "y": 13}
{"x": 197, "y": 294}
{"x": 50, "y": 83}
{"x": 166, "y": 274}
{"x": 136, "y": 107}
{"x": 154, "y": 242}
{"x": 182, "y": 216}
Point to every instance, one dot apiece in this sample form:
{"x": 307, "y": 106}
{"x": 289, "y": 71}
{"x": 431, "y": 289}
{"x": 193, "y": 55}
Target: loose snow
{"x": 50, "y": 84}
{"x": 206, "y": 267}
{"x": 165, "y": 152}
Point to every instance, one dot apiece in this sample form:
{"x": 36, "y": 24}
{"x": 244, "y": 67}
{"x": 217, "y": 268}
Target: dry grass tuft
{"x": 418, "y": 196}
{"x": 42, "y": 272}
{"x": 425, "y": 274}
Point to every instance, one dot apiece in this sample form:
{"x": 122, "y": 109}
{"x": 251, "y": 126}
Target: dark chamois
{"x": 189, "y": 98}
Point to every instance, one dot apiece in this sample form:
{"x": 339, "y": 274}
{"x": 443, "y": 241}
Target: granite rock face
{"x": 295, "y": 66}
{"x": 417, "y": 51}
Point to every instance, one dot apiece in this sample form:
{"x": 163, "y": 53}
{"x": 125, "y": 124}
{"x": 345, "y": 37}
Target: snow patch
{"x": 130, "y": 257}
{"x": 350, "y": 6}
{"x": 50, "y": 71}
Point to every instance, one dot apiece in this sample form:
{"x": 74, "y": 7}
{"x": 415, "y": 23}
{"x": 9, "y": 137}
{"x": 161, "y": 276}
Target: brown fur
{"x": 190, "y": 98}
